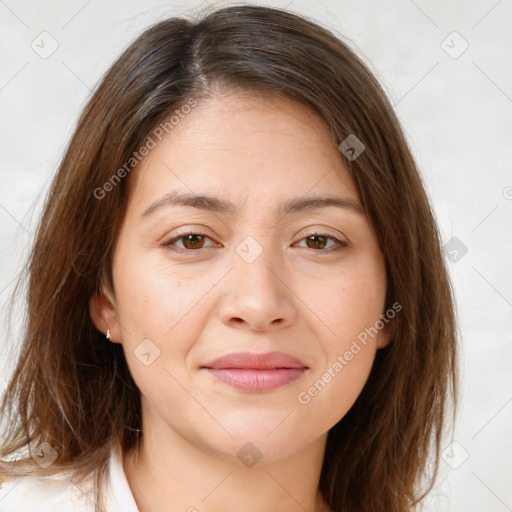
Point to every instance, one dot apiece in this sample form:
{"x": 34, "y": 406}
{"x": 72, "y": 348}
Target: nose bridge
{"x": 257, "y": 264}
{"x": 257, "y": 293}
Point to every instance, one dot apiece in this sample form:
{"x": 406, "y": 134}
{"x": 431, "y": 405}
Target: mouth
{"x": 257, "y": 381}
{"x": 256, "y": 372}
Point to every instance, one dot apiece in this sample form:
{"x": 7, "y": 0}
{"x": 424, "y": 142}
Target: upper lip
{"x": 249, "y": 360}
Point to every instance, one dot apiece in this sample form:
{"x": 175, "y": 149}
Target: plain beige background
{"x": 447, "y": 68}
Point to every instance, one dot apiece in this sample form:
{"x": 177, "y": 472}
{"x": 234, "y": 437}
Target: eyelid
{"x": 336, "y": 234}
{"x": 340, "y": 244}
{"x": 181, "y": 233}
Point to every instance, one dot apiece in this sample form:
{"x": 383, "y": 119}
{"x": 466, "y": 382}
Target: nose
{"x": 258, "y": 295}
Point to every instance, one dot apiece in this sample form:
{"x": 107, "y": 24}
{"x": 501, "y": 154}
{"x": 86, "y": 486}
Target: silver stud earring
{"x": 108, "y": 335}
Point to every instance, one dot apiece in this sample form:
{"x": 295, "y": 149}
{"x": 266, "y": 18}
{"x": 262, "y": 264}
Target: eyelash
{"x": 168, "y": 243}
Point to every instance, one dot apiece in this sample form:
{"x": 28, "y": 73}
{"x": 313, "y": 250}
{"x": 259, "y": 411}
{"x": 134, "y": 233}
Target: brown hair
{"x": 73, "y": 389}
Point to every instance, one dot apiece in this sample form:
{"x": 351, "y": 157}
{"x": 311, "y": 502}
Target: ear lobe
{"x": 385, "y": 336}
{"x": 104, "y": 315}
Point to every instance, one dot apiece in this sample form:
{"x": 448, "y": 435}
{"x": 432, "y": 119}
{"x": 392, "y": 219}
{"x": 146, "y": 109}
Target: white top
{"x": 57, "y": 493}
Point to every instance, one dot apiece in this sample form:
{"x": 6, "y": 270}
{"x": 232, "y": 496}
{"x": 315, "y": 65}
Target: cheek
{"x": 348, "y": 301}
{"x": 152, "y": 299}
{"x": 162, "y": 316}
{"x": 333, "y": 390}
{"x": 349, "y": 308}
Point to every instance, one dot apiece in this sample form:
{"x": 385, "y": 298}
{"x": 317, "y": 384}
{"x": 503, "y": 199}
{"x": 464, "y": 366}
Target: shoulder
{"x": 63, "y": 492}
{"x": 52, "y": 493}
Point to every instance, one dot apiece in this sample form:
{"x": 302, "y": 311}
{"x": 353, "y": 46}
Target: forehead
{"x": 244, "y": 146}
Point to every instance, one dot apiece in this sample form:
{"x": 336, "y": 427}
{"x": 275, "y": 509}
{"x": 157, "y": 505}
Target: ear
{"x": 385, "y": 335}
{"x": 103, "y": 313}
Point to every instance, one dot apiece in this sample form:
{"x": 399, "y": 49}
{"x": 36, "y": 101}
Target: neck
{"x": 171, "y": 473}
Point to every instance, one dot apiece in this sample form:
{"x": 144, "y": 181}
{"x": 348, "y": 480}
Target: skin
{"x": 297, "y": 297}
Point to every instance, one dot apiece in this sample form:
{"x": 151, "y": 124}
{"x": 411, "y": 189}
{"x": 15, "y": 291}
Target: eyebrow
{"x": 217, "y": 205}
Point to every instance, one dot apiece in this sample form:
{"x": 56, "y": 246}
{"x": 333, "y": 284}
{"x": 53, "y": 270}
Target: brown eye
{"x": 189, "y": 241}
{"x": 319, "y": 241}
{"x": 193, "y": 241}
{"x": 316, "y": 241}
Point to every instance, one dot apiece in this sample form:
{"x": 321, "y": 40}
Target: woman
{"x": 238, "y": 213}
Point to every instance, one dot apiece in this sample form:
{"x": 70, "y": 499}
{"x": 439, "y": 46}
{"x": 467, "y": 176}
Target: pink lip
{"x": 256, "y": 372}
{"x": 252, "y": 361}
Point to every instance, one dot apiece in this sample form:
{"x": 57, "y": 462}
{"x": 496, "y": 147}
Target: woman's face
{"x": 256, "y": 276}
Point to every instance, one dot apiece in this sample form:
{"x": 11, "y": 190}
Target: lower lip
{"x": 257, "y": 380}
